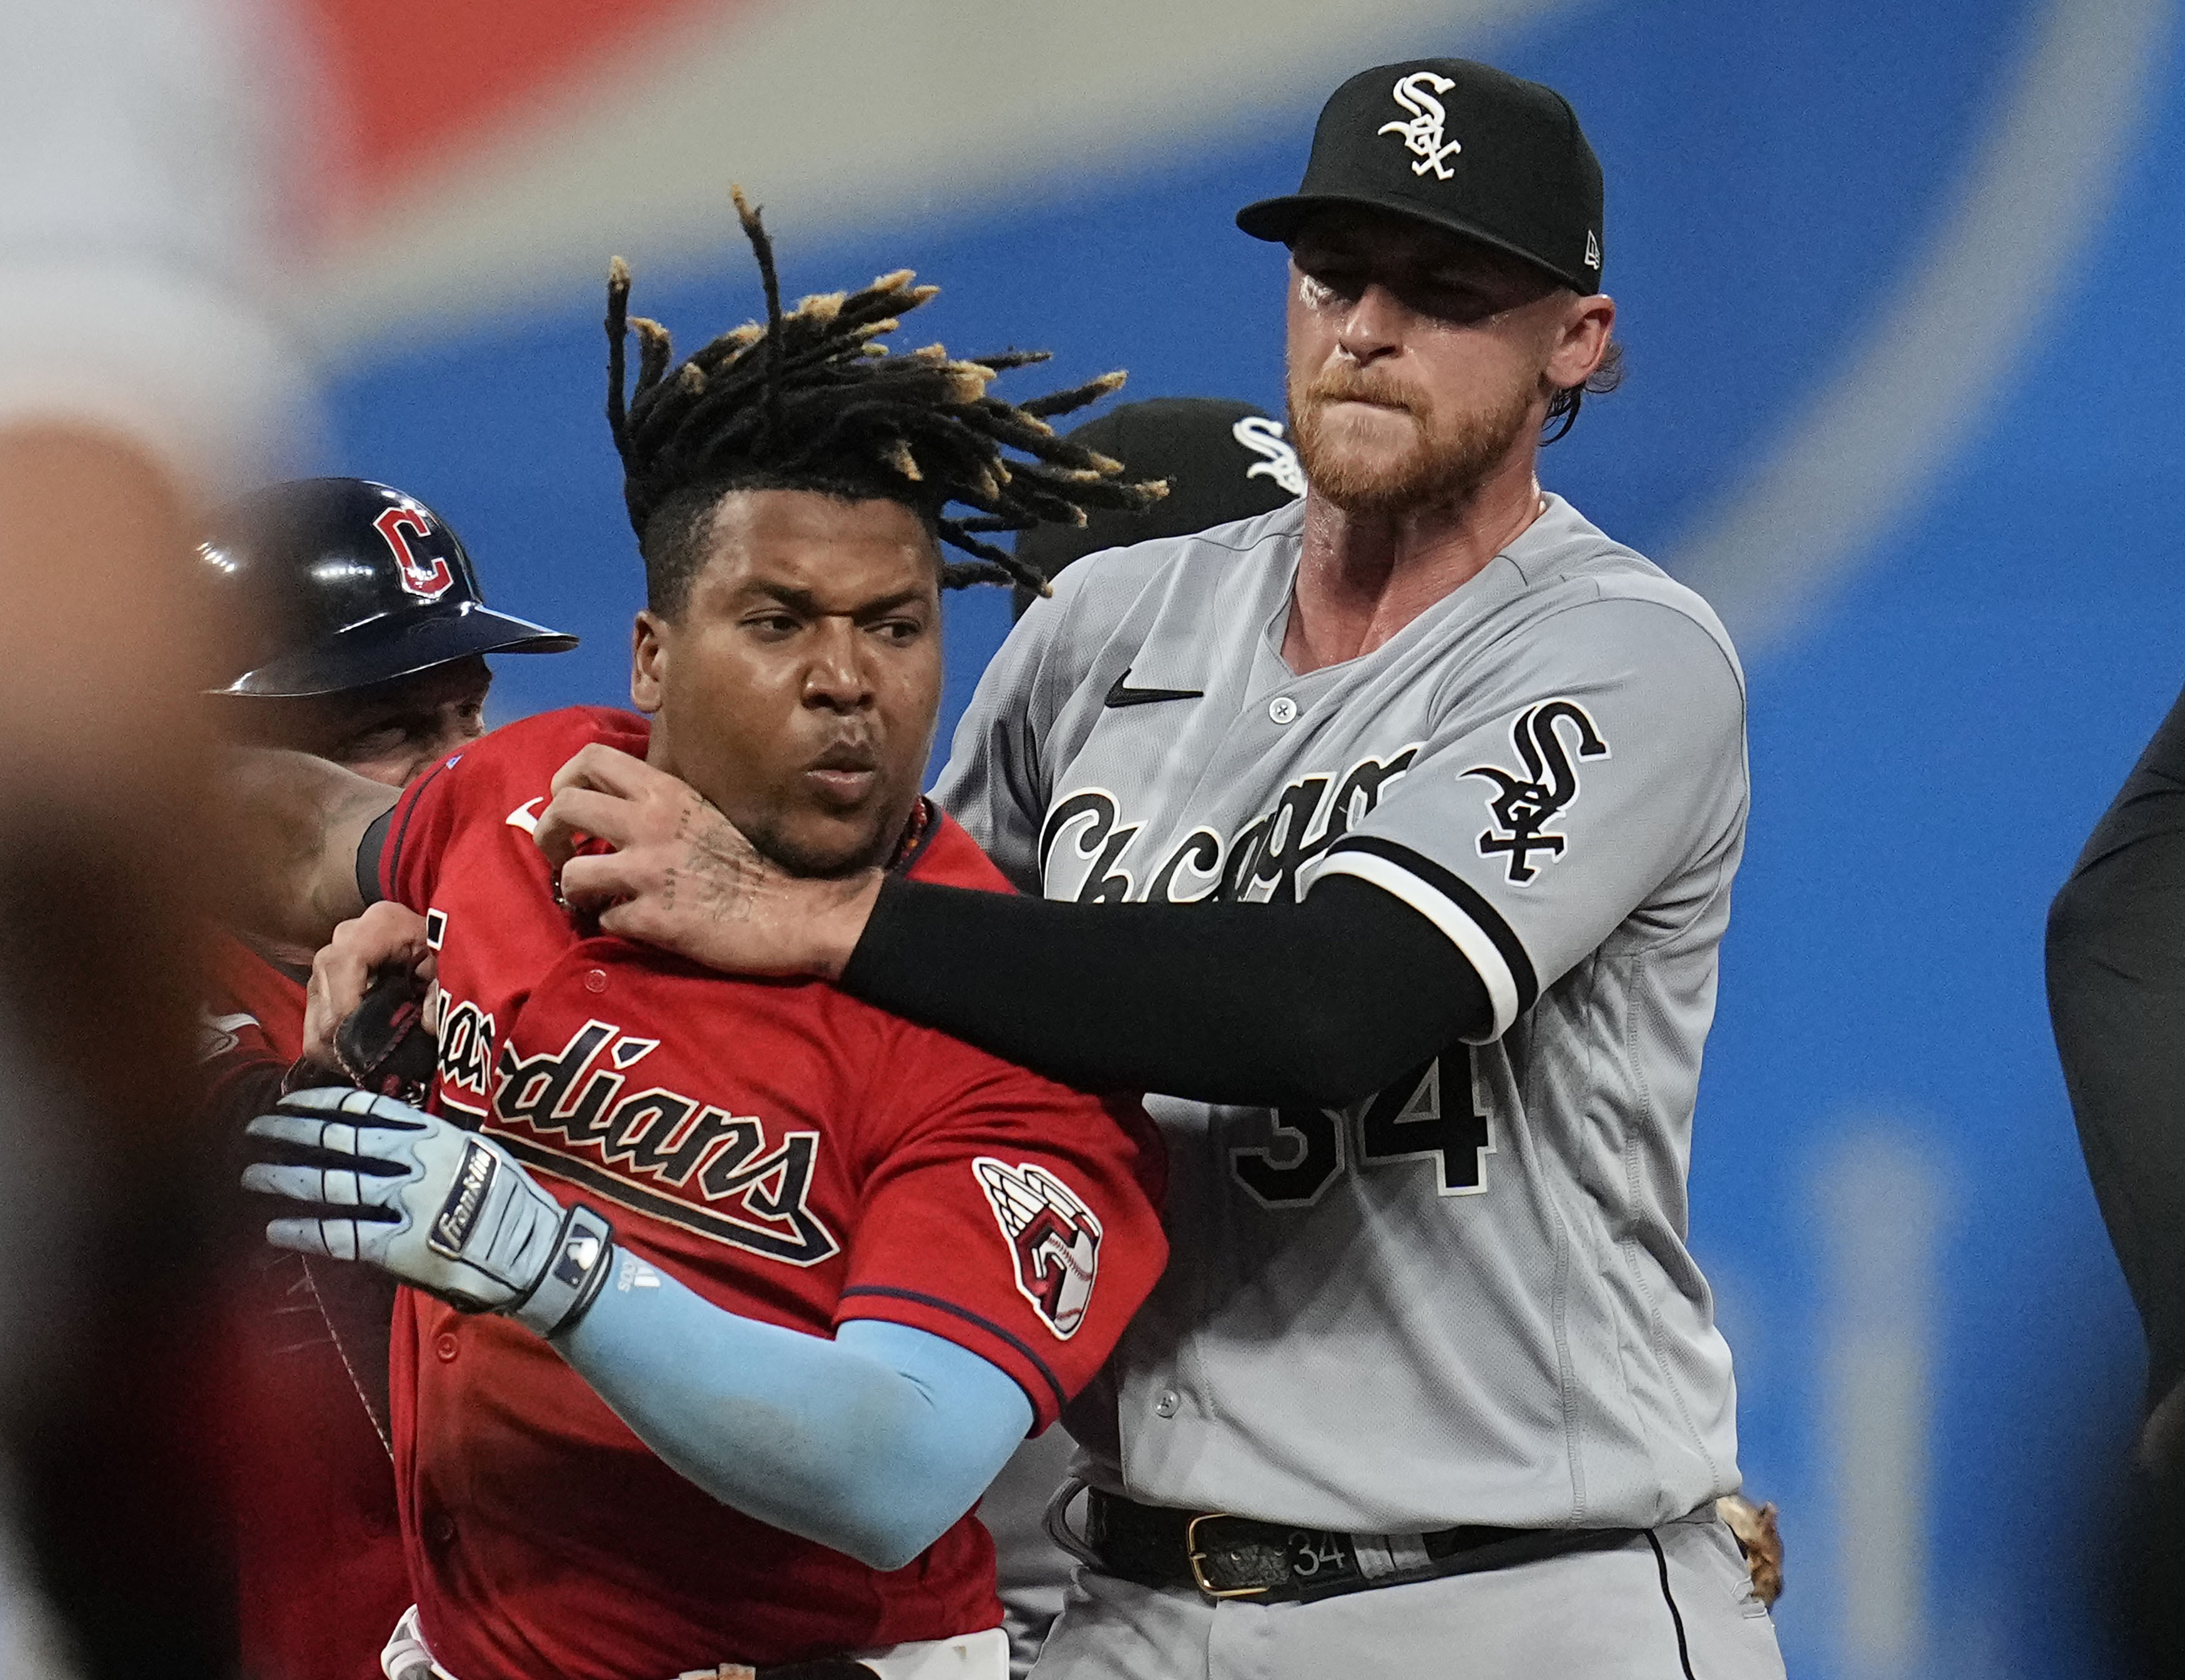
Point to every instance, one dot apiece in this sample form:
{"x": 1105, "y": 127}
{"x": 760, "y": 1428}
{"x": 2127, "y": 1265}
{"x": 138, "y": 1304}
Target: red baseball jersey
{"x": 790, "y": 1153}
{"x": 320, "y": 1573}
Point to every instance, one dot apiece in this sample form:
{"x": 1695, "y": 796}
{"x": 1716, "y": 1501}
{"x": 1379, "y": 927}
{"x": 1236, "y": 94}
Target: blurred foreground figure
{"x": 365, "y": 640}
{"x": 141, "y": 378}
{"x": 2117, "y": 994}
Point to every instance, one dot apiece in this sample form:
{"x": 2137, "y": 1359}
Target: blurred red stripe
{"x": 416, "y": 76}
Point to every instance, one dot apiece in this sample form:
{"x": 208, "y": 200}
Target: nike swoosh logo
{"x": 1120, "y": 696}
{"x": 526, "y": 816}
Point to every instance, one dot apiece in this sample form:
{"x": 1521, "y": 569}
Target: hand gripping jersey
{"x": 310, "y": 1485}
{"x": 1466, "y": 1299}
{"x": 789, "y": 1153}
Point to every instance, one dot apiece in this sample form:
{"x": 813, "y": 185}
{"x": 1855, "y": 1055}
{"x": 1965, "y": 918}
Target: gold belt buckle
{"x": 1197, "y": 1558}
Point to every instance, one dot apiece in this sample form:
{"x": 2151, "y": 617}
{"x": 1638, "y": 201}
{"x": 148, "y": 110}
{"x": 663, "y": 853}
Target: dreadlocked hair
{"x": 812, "y": 400}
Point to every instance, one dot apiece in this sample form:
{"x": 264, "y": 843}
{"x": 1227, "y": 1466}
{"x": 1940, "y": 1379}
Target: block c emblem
{"x": 426, "y": 576}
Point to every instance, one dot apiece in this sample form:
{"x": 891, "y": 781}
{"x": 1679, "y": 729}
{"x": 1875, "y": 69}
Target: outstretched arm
{"x": 873, "y": 1442}
{"x": 301, "y": 820}
{"x": 1316, "y": 1003}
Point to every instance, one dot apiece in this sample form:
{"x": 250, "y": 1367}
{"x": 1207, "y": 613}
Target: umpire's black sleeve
{"x": 2116, "y": 996}
{"x": 1317, "y": 1003}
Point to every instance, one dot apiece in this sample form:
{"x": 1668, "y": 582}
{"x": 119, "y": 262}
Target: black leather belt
{"x": 1239, "y": 1557}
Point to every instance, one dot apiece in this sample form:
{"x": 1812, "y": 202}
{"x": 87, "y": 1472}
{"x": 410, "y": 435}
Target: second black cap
{"x": 1223, "y": 461}
{"x": 1462, "y": 145}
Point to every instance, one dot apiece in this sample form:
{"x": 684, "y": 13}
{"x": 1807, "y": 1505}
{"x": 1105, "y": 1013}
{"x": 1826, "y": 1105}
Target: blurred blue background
{"x": 1942, "y": 699}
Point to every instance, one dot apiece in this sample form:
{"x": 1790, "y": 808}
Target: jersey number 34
{"x": 1431, "y": 1114}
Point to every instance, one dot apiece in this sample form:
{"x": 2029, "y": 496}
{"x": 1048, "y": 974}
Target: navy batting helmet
{"x": 340, "y": 583}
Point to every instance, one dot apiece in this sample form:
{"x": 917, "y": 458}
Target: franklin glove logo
{"x": 1422, "y": 134}
{"x": 459, "y": 1213}
{"x": 1056, "y": 1239}
{"x": 1529, "y": 803}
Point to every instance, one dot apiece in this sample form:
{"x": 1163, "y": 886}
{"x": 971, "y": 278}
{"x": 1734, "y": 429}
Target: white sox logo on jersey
{"x": 1529, "y": 803}
{"x": 566, "y": 1112}
{"x": 1264, "y": 437}
{"x": 1054, "y": 1237}
{"x": 1084, "y": 837}
{"x": 427, "y": 576}
{"x": 1422, "y": 134}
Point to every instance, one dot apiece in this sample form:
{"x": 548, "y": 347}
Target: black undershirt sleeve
{"x": 1316, "y": 1003}
{"x": 2116, "y": 996}
{"x": 368, "y": 850}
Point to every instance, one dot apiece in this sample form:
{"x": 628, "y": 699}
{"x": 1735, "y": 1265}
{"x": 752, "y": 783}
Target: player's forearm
{"x": 1318, "y": 1003}
{"x": 873, "y": 1443}
{"x": 298, "y": 820}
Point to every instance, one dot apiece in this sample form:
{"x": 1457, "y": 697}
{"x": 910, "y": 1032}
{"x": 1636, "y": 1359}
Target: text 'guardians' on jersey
{"x": 788, "y": 1152}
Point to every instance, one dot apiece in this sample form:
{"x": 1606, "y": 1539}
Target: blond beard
{"x": 1447, "y": 463}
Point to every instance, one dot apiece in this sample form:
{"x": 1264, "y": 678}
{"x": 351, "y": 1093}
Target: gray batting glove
{"x": 440, "y": 1208}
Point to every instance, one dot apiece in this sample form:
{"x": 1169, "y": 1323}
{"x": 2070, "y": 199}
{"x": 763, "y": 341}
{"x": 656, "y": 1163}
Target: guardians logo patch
{"x": 1054, "y": 1236}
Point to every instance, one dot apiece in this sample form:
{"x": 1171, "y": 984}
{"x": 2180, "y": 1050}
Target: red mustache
{"x": 1337, "y": 383}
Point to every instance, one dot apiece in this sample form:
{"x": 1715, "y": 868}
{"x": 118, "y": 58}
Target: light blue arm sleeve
{"x": 873, "y": 1443}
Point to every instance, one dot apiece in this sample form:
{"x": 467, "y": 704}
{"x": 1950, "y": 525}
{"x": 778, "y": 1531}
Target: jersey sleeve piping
{"x": 390, "y": 861}
{"x": 1059, "y": 1396}
{"x": 1472, "y": 926}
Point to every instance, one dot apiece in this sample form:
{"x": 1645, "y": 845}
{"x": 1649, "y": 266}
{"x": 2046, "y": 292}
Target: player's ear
{"x": 648, "y": 662}
{"x": 1582, "y": 339}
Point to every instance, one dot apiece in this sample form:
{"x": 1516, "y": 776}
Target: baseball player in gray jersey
{"x": 1391, "y": 834}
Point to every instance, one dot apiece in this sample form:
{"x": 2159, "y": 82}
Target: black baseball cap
{"x": 1223, "y": 461}
{"x": 329, "y": 584}
{"x": 1460, "y": 146}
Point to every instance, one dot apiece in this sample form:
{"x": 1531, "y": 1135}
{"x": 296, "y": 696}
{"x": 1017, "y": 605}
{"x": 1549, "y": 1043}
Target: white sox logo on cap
{"x": 1422, "y": 134}
{"x": 1264, "y": 437}
{"x": 1054, "y": 1236}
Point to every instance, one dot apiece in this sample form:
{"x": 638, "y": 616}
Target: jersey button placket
{"x": 1167, "y": 1402}
{"x": 1281, "y": 709}
{"x": 595, "y": 979}
{"x": 445, "y": 1346}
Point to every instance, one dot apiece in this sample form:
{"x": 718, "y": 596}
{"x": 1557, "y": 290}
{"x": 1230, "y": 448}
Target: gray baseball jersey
{"x": 1467, "y": 1298}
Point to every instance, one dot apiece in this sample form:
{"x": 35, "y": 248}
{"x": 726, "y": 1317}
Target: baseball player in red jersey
{"x": 364, "y": 638}
{"x": 729, "y": 1296}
